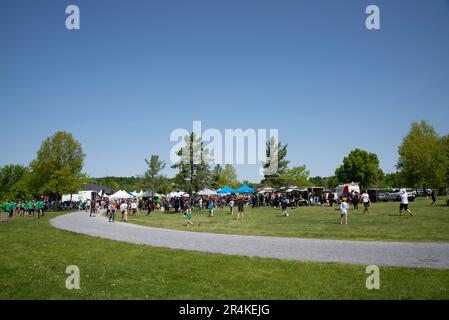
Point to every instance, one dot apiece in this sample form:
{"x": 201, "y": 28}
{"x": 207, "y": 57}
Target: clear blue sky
{"x": 139, "y": 69}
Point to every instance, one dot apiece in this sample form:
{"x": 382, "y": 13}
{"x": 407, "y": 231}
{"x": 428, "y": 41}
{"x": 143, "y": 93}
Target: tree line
{"x": 423, "y": 162}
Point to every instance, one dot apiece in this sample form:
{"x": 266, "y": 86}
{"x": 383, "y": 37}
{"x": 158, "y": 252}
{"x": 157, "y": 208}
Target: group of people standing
{"x": 31, "y": 208}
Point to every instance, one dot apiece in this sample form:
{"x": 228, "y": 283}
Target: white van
{"x": 347, "y": 188}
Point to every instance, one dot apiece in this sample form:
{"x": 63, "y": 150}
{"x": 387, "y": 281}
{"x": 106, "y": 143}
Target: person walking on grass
{"x": 355, "y": 200}
{"x": 404, "y": 203}
{"x": 231, "y": 206}
{"x": 344, "y": 210}
{"x": 188, "y": 215}
{"x": 240, "y": 207}
{"x": 284, "y": 206}
{"x": 434, "y": 198}
{"x": 366, "y": 201}
{"x": 211, "y": 209}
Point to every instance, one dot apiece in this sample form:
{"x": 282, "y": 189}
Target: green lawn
{"x": 34, "y": 256}
{"x": 383, "y": 222}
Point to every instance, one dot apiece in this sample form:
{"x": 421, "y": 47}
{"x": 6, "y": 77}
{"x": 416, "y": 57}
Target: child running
{"x": 284, "y": 206}
{"x": 211, "y": 209}
{"x": 188, "y": 215}
{"x": 344, "y": 209}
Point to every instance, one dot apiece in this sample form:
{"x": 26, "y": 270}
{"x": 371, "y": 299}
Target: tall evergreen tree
{"x": 193, "y": 165}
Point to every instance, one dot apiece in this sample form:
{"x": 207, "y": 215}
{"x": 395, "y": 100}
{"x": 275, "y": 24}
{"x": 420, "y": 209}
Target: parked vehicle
{"x": 383, "y": 196}
{"x": 347, "y": 188}
{"x": 375, "y": 194}
{"x": 395, "y": 195}
{"x": 411, "y": 192}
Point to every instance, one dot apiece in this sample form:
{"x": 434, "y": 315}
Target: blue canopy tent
{"x": 226, "y": 190}
{"x": 244, "y": 189}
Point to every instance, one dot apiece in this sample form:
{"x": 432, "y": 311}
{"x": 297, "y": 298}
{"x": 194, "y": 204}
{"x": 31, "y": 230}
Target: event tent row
{"x": 122, "y": 194}
{"x": 229, "y": 190}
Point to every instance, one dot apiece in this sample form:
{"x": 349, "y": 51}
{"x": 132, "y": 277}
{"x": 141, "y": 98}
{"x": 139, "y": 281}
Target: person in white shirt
{"x": 344, "y": 210}
{"x": 365, "y": 201}
{"x": 124, "y": 211}
{"x": 231, "y": 206}
{"x": 134, "y": 207}
{"x": 404, "y": 203}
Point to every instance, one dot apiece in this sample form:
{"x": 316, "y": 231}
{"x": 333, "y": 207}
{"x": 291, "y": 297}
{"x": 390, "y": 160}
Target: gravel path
{"x": 400, "y": 254}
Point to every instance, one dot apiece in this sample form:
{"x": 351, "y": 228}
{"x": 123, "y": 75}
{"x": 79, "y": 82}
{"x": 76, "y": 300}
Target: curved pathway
{"x": 399, "y": 254}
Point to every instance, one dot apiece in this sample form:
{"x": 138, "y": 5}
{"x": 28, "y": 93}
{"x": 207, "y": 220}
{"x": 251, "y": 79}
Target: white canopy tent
{"x": 121, "y": 195}
{"x": 207, "y": 192}
{"x": 138, "y": 194}
{"x": 175, "y": 194}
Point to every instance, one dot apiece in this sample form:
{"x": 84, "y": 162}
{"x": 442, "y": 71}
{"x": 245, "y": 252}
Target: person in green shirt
{"x": 25, "y": 208}
{"x": 14, "y": 207}
{"x": 22, "y": 208}
{"x": 31, "y": 208}
{"x": 40, "y": 208}
{"x": 8, "y": 207}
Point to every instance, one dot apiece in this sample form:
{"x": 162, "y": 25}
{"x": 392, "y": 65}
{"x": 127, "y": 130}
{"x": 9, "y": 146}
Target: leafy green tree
{"x": 228, "y": 177}
{"x": 193, "y": 165}
{"x": 297, "y": 176}
{"x": 360, "y": 166}
{"x": 10, "y": 176}
{"x": 326, "y": 182}
{"x": 57, "y": 167}
{"x": 153, "y": 180}
{"x": 276, "y": 164}
{"x": 393, "y": 180}
{"x": 423, "y": 160}
{"x": 445, "y": 142}
{"x": 215, "y": 177}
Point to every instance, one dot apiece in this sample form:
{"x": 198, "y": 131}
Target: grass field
{"x": 383, "y": 222}
{"x": 34, "y": 257}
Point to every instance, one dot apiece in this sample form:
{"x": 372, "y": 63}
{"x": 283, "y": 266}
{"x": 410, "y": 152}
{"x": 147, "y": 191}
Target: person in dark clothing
{"x": 434, "y": 198}
{"x": 240, "y": 208}
{"x": 150, "y": 206}
{"x": 355, "y": 200}
{"x": 176, "y": 205}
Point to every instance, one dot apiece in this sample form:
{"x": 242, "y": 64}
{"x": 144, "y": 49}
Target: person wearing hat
{"x": 344, "y": 210}
{"x": 404, "y": 203}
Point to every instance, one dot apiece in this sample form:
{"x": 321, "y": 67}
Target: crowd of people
{"x": 31, "y": 208}
{"x": 186, "y": 204}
